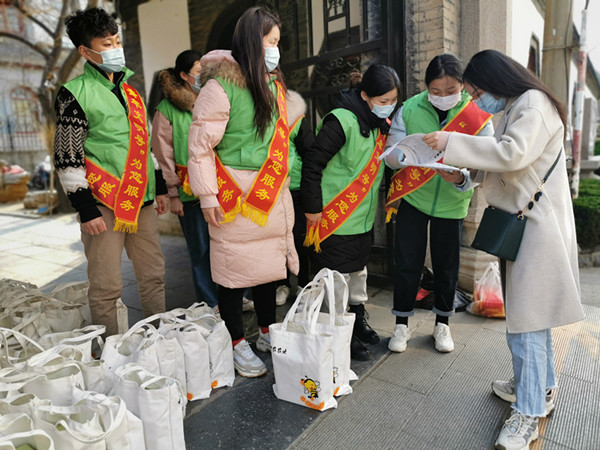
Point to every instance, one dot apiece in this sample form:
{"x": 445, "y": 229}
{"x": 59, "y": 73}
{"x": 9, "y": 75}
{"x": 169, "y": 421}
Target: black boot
{"x": 362, "y": 329}
{"x": 358, "y": 351}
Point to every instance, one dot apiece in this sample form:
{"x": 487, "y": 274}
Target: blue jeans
{"x": 533, "y": 365}
{"x": 195, "y": 231}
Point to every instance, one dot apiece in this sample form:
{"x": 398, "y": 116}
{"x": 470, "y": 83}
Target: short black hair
{"x": 85, "y": 25}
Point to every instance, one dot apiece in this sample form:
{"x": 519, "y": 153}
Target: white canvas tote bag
{"x": 96, "y": 422}
{"x": 192, "y": 340}
{"x": 303, "y": 354}
{"x": 158, "y": 401}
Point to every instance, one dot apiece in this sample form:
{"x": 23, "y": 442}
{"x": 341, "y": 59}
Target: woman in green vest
{"x": 439, "y": 204}
{"x": 170, "y": 128}
{"x": 341, "y": 174}
{"x": 239, "y": 168}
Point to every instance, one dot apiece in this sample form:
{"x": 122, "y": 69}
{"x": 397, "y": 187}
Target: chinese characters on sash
{"x": 270, "y": 179}
{"x": 337, "y": 211}
{"x": 469, "y": 120}
{"x": 125, "y": 195}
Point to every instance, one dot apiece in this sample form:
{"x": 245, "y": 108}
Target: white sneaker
{"x": 263, "y": 343}
{"x": 505, "y": 389}
{"x": 399, "y": 339}
{"x": 217, "y": 311}
{"x": 443, "y": 339}
{"x": 246, "y": 362}
{"x": 518, "y": 432}
{"x": 247, "y": 304}
{"x": 281, "y": 295}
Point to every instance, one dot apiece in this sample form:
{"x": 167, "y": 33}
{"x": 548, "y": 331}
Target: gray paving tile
{"x": 419, "y": 367}
{"x": 575, "y": 422}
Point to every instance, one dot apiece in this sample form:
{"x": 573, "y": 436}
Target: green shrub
{"x": 587, "y": 213}
{"x": 597, "y": 147}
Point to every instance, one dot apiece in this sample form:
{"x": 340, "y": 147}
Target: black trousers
{"x": 410, "y": 248}
{"x": 230, "y": 306}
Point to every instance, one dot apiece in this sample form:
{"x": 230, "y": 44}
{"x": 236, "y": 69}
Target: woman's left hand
{"x": 436, "y": 140}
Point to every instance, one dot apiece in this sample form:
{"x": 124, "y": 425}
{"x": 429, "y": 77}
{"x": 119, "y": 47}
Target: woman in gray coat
{"x": 541, "y": 287}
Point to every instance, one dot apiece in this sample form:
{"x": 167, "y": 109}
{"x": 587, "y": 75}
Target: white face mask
{"x": 271, "y": 58}
{"x": 113, "y": 60}
{"x": 444, "y": 103}
{"x": 383, "y": 111}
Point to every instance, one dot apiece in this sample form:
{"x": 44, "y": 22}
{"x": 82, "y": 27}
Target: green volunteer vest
{"x": 180, "y": 122}
{"x": 241, "y": 146}
{"x": 436, "y": 198}
{"x": 345, "y": 166}
{"x": 107, "y": 141}
{"x": 295, "y": 160}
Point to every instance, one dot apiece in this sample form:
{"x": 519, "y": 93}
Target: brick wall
{"x": 432, "y": 27}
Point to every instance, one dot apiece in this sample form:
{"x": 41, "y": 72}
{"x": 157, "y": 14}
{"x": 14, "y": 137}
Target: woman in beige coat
{"x": 541, "y": 287}
{"x": 239, "y": 153}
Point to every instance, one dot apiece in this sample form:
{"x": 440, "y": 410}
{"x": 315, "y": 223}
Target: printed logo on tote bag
{"x": 311, "y": 389}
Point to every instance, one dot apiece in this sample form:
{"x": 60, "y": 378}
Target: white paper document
{"x": 418, "y": 153}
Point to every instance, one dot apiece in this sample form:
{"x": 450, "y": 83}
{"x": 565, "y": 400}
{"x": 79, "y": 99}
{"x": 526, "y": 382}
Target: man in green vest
{"x": 103, "y": 159}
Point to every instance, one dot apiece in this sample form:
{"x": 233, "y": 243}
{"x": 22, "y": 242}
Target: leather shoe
{"x": 362, "y": 329}
{"x": 358, "y": 351}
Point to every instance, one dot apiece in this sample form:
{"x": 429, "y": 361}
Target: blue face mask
{"x": 489, "y": 104}
{"x": 383, "y": 111}
{"x": 113, "y": 60}
{"x": 197, "y": 85}
{"x": 271, "y": 58}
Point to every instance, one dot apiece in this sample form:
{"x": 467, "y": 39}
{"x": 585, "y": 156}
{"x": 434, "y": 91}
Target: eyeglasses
{"x": 476, "y": 92}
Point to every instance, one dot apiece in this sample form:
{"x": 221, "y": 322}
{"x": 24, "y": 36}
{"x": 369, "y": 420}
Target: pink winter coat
{"x": 242, "y": 253}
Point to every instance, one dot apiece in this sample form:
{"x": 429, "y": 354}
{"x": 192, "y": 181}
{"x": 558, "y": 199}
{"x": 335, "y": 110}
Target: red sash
{"x": 125, "y": 195}
{"x": 270, "y": 179}
{"x": 469, "y": 120}
{"x": 184, "y": 179}
{"x": 341, "y": 207}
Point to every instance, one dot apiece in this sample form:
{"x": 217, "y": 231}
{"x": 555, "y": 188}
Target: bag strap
{"x": 312, "y": 318}
{"x": 538, "y": 193}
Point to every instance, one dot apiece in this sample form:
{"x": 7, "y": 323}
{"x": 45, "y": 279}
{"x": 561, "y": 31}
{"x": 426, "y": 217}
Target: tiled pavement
{"x": 417, "y": 399}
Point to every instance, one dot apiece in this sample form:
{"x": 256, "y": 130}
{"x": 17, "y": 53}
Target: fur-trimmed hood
{"x": 220, "y": 63}
{"x": 177, "y": 94}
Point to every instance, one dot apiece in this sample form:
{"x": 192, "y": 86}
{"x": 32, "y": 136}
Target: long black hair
{"x": 444, "y": 65}
{"x": 247, "y": 49}
{"x": 184, "y": 63}
{"x": 502, "y": 76}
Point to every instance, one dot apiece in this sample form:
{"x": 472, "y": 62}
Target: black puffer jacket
{"x": 348, "y": 253}
{"x": 328, "y": 143}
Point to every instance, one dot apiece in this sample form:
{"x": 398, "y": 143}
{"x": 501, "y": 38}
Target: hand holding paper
{"x": 418, "y": 153}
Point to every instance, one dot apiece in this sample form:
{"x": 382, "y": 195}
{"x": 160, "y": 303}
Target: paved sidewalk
{"x": 420, "y": 399}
